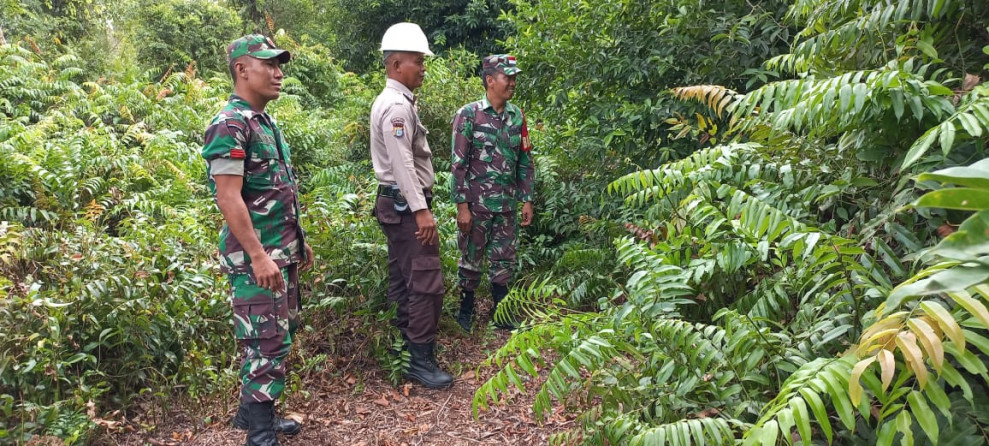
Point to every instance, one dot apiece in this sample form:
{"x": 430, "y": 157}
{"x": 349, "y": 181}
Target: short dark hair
{"x": 384, "y": 57}
{"x": 484, "y": 76}
{"x": 230, "y": 67}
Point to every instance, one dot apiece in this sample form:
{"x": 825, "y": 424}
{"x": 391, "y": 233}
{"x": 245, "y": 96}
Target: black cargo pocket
{"x": 255, "y": 320}
{"x": 384, "y": 210}
{"x": 426, "y": 276}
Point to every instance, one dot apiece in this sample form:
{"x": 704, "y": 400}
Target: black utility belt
{"x": 401, "y": 204}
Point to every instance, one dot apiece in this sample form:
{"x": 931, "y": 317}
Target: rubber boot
{"x": 423, "y": 366}
{"x": 281, "y": 425}
{"x": 260, "y": 431}
{"x": 498, "y": 293}
{"x": 466, "y": 315}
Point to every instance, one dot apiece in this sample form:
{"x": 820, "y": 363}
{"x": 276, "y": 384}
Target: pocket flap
{"x": 425, "y": 263}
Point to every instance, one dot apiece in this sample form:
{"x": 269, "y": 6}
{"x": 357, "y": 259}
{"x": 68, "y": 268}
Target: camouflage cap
{"x": 257, "y": 46}
{"x": 504, "y": 63}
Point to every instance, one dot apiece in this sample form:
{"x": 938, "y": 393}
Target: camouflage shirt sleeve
{"x": 526, "y": 171}
{"x": 225, "y": 138}
{"x": 461, "y": 141}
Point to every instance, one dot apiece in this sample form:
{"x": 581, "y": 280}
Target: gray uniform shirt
{"x": 399, "y": 151}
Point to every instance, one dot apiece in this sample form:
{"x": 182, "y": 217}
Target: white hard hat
{"x": 405, "y": 36}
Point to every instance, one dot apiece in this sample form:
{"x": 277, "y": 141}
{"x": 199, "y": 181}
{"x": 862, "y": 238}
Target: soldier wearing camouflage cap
{"x": 262, "y": 244}
{"x": 492, "y": 172}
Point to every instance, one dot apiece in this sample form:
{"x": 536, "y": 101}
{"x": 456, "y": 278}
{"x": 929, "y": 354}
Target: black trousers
{"x": 415, "y": 280}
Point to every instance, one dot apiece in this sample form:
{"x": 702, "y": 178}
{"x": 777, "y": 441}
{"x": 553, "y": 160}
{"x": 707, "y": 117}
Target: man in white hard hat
{"x": 404, "y": 169}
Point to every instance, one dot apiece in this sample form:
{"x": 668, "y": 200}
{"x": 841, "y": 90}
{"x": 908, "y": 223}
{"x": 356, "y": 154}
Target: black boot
{"x": 260, "y": 431}
{"x": 498, "y": 293}
{"x": 423, "y": 366}
{"x": 281, "y": 425}
{"x": 466, "y": 315}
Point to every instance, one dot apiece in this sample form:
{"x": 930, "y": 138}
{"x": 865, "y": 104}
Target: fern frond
{"x": 829, "y": 106}
{"x": 715, "y": 97}
{"x": 801, "y": 401}
{"x": 971, "y": 119}
{"x": 714, "y": 431}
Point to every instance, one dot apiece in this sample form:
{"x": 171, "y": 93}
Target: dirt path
{"x": 355, "y": 404}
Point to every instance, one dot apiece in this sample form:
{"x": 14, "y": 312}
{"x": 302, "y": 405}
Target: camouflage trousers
{"x": 264, "y": 324}
{"x": 491, "y": 234}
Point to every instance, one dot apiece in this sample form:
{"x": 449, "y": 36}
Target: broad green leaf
{"x": 947, "y": 136}
{"x": 961, "y": 198}
{"x": 903, "y": 423}
{"x": 844, "y": 97}
{"x": 970, "y": 124}
{"x": 970, "y": 242}
{"x": 861, "y": 94}
{"x": 975, "y": 176}
{"x": 886, "y": 434}
{"x": 766, "y": 434}
{"x": 896, "y": 96}
{"x": 919, "y": 148}
{"x": 927, "y": 49}
{"x": 802, "y": 419}
{"x": 953, "y": 279}
{"x": 940, "y": 399}
{"x": 820, "y": 411}
{"x": 924, "y": 415}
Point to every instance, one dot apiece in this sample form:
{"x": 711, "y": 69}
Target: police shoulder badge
{"x": 398, "y": 127}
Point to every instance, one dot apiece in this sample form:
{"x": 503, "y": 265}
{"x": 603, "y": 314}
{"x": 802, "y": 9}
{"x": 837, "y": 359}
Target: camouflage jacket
{"x": 492, "y": 158}
{"x": 239, "y": 135}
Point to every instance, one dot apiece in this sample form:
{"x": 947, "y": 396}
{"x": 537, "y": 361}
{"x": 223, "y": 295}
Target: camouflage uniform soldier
{"x": 404, "y": 170}
{"x": 492, "y": 172}
{"x": 261, "y": 243}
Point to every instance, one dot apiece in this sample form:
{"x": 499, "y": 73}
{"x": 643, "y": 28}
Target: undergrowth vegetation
{"x": 787, "y": 284}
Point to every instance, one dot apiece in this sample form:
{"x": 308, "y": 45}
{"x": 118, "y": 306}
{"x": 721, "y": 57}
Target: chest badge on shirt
{"x": 398, "y": 127}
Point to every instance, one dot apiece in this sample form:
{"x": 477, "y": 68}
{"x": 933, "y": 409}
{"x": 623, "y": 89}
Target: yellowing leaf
{"x": 914, "y": 357}
{"x": 893, "y": 320}
{"x": 972, "y": 305}
{"x": 946, "y": 321}
{"x": 854, "y": 386}
{"x": 887, "y": 362}
{"x": 878, "y": 340}
{"x": 930, "y": 341}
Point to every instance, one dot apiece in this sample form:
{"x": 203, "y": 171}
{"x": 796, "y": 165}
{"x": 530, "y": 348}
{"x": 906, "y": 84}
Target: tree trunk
{"x": 3, "y": 41}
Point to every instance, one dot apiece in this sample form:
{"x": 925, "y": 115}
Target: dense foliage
{"x": 773, "y": 289}
{"x": 758, "y": 223}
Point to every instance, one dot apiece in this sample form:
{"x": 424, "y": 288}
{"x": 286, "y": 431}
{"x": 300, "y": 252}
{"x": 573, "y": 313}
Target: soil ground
{"x": 352, "y": 402}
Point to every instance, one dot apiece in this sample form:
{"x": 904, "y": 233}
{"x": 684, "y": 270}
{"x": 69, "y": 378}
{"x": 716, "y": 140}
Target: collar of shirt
{"x": 401, "y": 88}
{"x": 242, "y": 104}
{"x": 486, "y": 106}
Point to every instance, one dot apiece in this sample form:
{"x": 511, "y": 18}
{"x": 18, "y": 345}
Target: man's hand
{"x": 267, "y": 274}
{"x": 310, "y": 259}
{"x": 426, "y": 234}
{"x": 464, "y": 218}
{"x": 526, "y": 213}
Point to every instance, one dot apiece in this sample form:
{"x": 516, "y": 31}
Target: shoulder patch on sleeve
{"x": 526, "y": 143}
{"x": 398, "y": 127}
